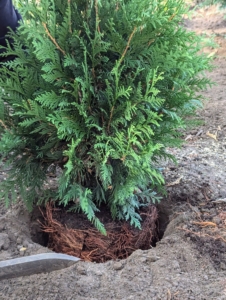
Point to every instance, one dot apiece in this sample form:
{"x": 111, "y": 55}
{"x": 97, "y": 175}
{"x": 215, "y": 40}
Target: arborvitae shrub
{"x": 99, "y": 88}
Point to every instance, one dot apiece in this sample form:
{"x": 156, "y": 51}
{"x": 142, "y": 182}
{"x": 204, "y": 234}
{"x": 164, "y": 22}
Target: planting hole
{"x": 73, "y": 234}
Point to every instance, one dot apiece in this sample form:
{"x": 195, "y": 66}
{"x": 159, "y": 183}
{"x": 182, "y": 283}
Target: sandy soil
{"x": 190, "y": 261}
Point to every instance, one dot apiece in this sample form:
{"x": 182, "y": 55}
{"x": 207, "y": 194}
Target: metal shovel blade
{"x": 34, "y": 264}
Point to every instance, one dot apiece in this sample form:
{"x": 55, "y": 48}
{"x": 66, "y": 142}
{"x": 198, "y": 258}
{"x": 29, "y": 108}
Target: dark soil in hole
{"x": 73, "y": 234}
{"x": 37, "y": 234}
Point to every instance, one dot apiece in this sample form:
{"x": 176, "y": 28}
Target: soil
{"x": 189, "y": 262}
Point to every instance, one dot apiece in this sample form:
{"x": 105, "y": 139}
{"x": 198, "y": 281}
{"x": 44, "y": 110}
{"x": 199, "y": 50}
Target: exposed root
{"x": 205, "y": 224}
{"x": 90, "y": 245}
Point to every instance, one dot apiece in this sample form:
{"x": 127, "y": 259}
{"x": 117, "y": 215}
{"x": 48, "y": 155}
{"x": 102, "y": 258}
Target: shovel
{"x": 35, "y": 264}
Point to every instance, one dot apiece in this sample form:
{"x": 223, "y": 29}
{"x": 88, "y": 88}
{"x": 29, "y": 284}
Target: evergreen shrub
{"x": 99, "y": 89}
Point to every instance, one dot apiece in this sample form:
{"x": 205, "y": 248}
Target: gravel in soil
{"x": 190, "y": 261}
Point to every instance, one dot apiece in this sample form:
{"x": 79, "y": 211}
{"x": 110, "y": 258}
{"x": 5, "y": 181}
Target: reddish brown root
{"x": 90, "y": 245}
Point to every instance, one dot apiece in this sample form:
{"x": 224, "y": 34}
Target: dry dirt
{"x": 190, "y": 260}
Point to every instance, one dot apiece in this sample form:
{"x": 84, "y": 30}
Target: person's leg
{"x": 9, "y": 17}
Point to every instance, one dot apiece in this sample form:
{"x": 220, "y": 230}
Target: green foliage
{"x": 99, "y": 88}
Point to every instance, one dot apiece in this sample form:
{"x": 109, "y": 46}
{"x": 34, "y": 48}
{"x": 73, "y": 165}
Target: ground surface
{"x": 190, "y": 261}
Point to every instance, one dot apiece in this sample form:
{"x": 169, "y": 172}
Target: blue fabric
{"x": 9, "y": 17}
